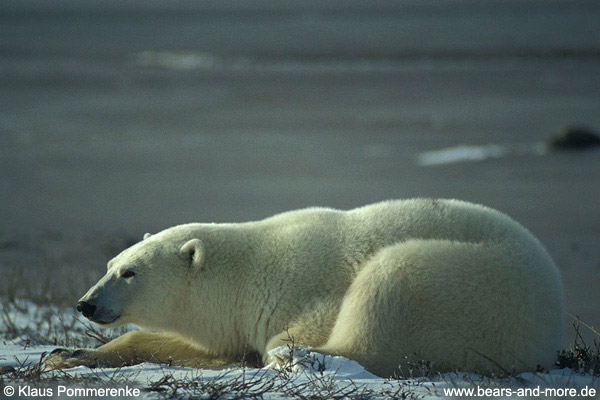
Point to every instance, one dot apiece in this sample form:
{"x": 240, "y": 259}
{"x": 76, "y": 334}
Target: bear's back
{"x": 434, "y": 219}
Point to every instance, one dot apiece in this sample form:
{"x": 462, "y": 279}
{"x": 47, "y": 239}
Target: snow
{"x": 300, "y": 372}
{"x": 464, "y": 153}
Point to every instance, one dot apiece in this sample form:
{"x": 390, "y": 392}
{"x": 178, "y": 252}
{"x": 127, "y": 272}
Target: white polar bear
{"x": 456, "y": 284}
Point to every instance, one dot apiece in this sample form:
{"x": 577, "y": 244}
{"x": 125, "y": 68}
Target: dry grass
{"x": 48, "y": 325}
{"x": 258, "y": 385}
{"x": 581, "y": 357}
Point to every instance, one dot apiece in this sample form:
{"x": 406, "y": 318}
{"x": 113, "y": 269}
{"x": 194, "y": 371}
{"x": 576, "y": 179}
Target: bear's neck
{"x": 224, "y": 291}
{"x": 255, "y": 282}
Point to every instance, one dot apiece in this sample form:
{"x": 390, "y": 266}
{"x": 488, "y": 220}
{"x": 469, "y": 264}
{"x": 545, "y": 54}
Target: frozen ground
{"x": 307, "y": 375}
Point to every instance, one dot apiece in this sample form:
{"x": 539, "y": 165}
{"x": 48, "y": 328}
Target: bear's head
{"x": 146, "y": 283}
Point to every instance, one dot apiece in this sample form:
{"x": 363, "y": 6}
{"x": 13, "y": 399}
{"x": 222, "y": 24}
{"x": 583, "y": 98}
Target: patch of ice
{"x": 464, "y": 153}
{"x": 461, "y": 154}
{"x": 176, "y": 60}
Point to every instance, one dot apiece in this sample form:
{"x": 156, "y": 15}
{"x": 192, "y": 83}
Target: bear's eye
{"x": 128, "y": 274}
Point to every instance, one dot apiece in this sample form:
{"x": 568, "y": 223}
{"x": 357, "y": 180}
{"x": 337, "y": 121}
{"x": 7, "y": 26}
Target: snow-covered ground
{"x": 308, "y": 375}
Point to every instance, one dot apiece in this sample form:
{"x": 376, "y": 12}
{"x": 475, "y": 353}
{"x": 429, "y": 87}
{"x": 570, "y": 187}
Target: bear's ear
{"x": 193, "y": 252}
{"x": 147, "y": 235}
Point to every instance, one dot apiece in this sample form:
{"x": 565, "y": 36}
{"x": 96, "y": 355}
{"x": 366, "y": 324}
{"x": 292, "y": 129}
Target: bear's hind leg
{"x": 477, "y": 307}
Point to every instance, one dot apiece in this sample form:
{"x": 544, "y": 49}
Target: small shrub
{"x": 581, "y": 357}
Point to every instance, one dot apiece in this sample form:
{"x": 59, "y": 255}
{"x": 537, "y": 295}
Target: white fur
{"x": 387, "y": 284}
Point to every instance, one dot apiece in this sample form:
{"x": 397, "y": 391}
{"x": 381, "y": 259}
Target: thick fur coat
{"x": 456, "y": 284}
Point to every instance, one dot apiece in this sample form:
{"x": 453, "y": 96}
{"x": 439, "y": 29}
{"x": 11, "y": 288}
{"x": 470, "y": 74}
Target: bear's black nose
{"x": 87, "y": 309}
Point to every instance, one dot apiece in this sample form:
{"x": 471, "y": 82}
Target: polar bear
{"x": 459, "y": 285}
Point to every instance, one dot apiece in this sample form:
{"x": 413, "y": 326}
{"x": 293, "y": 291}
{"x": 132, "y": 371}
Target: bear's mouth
{"x": 106, "y": 322}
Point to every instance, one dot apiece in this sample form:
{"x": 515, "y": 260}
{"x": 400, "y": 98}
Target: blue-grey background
{"x": 132, "y": 116}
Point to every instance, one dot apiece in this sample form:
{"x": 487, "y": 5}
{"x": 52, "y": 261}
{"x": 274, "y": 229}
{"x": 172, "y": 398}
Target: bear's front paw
{"x": 63, "y": 358}
{"x": 289, "y": 359}
{"x": 279, "y": 360}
